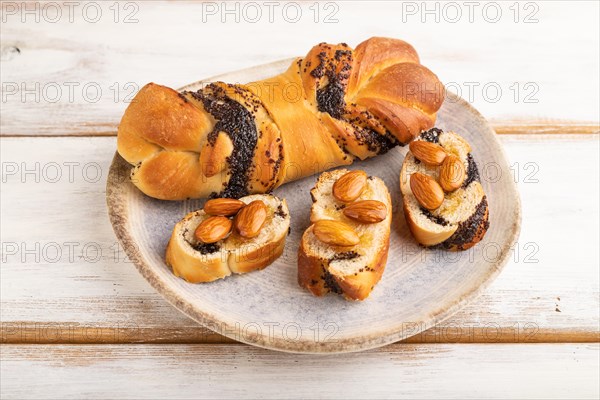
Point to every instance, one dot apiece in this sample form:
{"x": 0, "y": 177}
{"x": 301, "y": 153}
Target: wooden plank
{"x": 544, "y": 127}
{"x": 70, "y": 76}
{"x": 64, "y": 278}
{"x": 239, "y": 371}
{"x": 27, "y": 332}
{"x": 502, "y": 127}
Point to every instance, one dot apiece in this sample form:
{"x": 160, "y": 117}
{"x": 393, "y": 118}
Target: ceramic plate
{"x": 267, "y": 308}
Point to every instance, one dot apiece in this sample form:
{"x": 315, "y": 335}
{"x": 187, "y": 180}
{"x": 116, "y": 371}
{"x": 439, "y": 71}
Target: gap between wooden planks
{"x": 23, "y": 332}
{"x": 504, "y": 127}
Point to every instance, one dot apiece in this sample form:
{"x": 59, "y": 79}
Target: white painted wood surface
{"x": 59, "y": 315}
{"x": 469, "y": 371}
{"x": 69, "y": 270}
{"x": 545, "y": 70}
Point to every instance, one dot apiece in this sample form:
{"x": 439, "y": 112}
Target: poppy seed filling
{"x": 239, "y": 124}
{"x": 330, "y": 99}
{"x": 469, "y": 229}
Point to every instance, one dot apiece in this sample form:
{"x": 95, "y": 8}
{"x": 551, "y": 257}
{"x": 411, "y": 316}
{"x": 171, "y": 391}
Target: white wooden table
{"x": 78, "y": 320}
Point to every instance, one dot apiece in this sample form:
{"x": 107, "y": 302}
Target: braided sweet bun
{"x": 328, "y": 109}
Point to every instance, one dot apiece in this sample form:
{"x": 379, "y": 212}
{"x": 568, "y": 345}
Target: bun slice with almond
{"x": 228, "y": 236}
{"x": 345, "y": 249}
{"x": 444, "y": 203}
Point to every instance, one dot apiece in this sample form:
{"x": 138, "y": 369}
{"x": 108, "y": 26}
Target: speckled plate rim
{"x": 118, "y": 214}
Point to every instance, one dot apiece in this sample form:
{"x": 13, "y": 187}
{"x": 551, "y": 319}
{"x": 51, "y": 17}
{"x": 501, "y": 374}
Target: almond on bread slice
{"x": 348, "y": 269}
{"x": 461, "y": 220}
{"x": 197, "y": 261}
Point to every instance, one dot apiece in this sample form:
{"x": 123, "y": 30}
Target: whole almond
{"x": 226, "y": 207}
{"x": 213, "y": 229}
{"x": 335, "y": 233}
{"x": 429, "y": 153}
{"x": 350, "y": 186}
{"x": 366, "y": 211}
{"x": 452, "y": 173}
{"x": 428, "y": 192}
{"x": 250, "y": 219}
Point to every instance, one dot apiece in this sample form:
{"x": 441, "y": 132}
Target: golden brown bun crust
{"x": 159, "y": 117}
{"x": 311, "y": 271}
{"x": 313, "y": 275}
{"x": 173, "y": 176}
{"x": 449, "y": 241}
{"x": 307, "y": 146}
{"x": 190, "y": 266}
{"x": 410, "y": 84}
{"x": 192, "y": 269}
{"x": 208, "y": 269}
{"x": 404, "y": 123}
{"x": 329, "y": 108}
{"x": 424, "y": 237}
{"x": 359, "y": 287}
{"x": 256, "y": 258}
{"x": 377, "y": 53}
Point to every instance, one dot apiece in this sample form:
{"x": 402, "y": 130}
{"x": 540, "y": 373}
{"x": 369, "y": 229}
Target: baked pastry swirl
{"x": 444, "y": 203}
{"x": 331, "y": 107}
